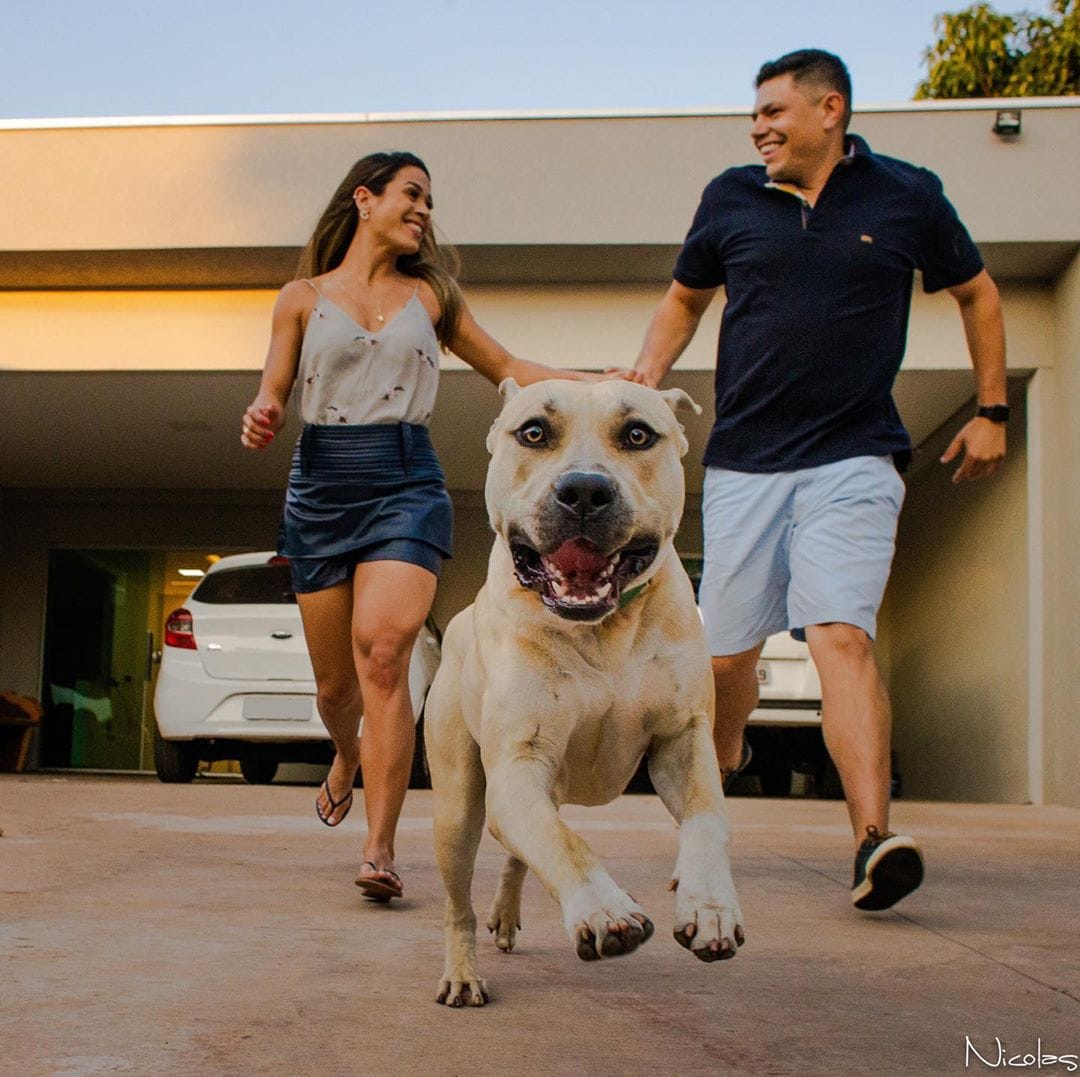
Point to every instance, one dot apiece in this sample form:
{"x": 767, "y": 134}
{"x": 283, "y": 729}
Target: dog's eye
{"x": 639, "y": 436}
{"x": 534, "y": 432}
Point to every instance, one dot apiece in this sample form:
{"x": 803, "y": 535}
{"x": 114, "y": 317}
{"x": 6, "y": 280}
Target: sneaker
{"x": 887, "y": 868}
{"x": 729, "y": 776}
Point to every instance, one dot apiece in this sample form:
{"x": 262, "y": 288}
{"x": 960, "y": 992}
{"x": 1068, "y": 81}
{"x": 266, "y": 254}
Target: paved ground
{"x": 214, "y": 928}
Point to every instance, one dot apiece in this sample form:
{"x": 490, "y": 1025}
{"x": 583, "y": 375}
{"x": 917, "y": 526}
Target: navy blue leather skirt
{"x": 372, "y": 492}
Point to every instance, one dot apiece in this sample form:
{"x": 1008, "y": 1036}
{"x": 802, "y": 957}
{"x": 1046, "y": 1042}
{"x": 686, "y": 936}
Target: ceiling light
{"x": 191, "y": 573}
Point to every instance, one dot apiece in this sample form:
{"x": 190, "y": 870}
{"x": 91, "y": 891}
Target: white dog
{"x": 582, "y": 652}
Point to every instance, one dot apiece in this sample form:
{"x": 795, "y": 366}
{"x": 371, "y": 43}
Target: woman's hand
{"x": 262, "y": 420}
{"x": 615, "y": 373}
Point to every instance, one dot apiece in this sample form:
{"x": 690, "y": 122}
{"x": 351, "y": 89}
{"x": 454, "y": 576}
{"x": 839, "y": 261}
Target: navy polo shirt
{"x": 818, "y": 299}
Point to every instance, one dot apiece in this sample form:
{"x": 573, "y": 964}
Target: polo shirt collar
{"x": 856, "y": 148}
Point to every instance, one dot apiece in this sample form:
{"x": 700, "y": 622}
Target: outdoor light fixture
{"x": 191, "y": 573}
{"x": 1007, "y": 123}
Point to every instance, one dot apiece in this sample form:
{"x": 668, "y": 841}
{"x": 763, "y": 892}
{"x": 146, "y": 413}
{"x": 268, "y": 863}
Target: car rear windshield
{"x": 248, "y": 584}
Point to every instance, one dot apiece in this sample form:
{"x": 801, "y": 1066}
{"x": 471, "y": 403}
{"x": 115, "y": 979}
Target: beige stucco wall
{"x": 589, "y": 326}
{"x": 581, "y": 180}
{"x": 1059, "y": 515}
{"x": 955, "y": 628}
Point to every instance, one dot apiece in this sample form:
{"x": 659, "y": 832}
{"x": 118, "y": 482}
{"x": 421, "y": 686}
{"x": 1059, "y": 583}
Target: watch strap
{"x": 996, "y": 413}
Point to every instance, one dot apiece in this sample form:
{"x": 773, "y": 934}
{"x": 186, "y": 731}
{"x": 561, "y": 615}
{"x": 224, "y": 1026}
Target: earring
{"x": 363, "y": 211}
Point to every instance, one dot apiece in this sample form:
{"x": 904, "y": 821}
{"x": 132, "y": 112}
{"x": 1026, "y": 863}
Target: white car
{"x": 789, "y": 688}
{"x": 784, "y": 729}
{"x": 236, "y": 680}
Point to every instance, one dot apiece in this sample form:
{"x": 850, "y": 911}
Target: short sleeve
{"x": 699, "y": 264}
{"x": 948, "y": 255}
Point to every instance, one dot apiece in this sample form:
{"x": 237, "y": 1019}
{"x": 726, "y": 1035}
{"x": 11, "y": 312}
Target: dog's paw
{"x": 708, "y": 925}
{"x": 504, "y": 924}
{"x": 605, "y": 924}
{"x": 601, "y": 936}
{"x": 457, "y": 989}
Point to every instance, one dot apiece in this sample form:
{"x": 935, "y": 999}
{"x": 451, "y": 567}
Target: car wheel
{"x": 175, "y": 761}
{"x": 775, "y": 779}
{"x": 258, "y": 771}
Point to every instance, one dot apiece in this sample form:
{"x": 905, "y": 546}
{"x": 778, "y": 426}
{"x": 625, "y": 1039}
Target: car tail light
{"x": 180, "y": 630}
{"x": 277, "y": 559}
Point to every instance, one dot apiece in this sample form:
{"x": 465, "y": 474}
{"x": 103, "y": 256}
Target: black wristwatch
{"x": 996, "y": 413}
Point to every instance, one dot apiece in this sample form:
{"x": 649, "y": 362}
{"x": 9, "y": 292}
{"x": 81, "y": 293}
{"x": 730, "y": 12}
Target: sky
{"x": 85, "y": 58}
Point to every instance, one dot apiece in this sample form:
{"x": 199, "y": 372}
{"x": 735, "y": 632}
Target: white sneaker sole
{"x": 894, "y": 870}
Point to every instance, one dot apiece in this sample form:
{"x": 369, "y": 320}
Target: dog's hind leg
{"x": 458, "y": 783}
{"x": 684, "y": 772}
{"x": 505, "y": 919}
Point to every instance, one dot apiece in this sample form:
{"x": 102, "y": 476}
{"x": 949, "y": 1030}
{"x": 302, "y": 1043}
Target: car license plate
{"x": 277, "y": 708}
{"x": 763, "y": 674}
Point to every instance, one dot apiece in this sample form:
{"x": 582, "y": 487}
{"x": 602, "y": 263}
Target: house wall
{"x": 955, "y": 625}
{"x": 1059, "y": 514}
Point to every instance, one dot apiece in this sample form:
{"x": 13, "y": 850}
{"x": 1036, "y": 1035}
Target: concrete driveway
{"x": 214, "y": 928}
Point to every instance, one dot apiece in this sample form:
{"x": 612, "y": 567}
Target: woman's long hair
{"x": 337, "y": 225}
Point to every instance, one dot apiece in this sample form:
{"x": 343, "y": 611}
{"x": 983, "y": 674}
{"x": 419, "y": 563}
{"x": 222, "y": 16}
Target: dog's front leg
{"x": 684, "y": 772}
{"x": 600, "y": 918}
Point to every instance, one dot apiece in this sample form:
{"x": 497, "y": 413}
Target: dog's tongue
{"x": 578, "y": 561}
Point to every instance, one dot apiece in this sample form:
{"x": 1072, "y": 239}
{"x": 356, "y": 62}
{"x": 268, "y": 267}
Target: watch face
{"x": 996, "y": 413}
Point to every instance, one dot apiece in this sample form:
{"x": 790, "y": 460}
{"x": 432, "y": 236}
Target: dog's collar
{"x": 628, "y": 596}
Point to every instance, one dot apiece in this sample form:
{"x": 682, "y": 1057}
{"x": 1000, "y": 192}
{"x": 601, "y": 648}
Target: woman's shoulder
{"x": 298, "y": 296}
{"x": 426, "y": 294}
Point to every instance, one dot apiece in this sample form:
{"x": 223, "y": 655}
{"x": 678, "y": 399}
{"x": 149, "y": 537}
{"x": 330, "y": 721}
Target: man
{"x": 816, "y": 251}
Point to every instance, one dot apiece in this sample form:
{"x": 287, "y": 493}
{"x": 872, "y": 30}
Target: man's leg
{"x": 743, "y": 593}
{"x": 735, "y": 677}
{"x": 840, "y": 558}
{"x": 856, "y": 720}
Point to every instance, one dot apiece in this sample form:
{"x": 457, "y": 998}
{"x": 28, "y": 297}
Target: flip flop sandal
{"x": 327, "y": 819}
{"x": 378, "y": 889}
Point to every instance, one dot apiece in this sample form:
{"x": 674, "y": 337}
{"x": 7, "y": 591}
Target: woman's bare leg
{"x": 391, "y": 600}
{"x": 327, "y": 617}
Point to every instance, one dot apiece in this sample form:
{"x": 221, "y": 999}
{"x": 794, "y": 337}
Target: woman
{"x": 367, "y": 518}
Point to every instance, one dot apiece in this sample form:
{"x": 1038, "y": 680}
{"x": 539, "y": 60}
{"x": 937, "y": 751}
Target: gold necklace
{"x": 378, "y": 306}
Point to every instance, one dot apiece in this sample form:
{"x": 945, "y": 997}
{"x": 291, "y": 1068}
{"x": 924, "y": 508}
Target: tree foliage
{"x": 982, "y": 53}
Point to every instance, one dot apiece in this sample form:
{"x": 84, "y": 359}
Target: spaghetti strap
{"x": 313, "y": 285}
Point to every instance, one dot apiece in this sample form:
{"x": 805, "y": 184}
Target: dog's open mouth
{"x": 578, "y": 581}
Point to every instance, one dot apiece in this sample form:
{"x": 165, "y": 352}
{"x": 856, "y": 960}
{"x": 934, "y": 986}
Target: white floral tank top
{"x": 349, "y": 375}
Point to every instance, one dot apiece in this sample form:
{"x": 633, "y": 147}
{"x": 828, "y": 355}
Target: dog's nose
{"x": 583, "y": 493}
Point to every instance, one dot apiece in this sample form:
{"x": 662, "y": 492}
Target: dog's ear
{"x": 508, "y": 389}
{"x": 678, "y": 401}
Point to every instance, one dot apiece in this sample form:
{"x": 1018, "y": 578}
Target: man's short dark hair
{"x": 814, "y": 66}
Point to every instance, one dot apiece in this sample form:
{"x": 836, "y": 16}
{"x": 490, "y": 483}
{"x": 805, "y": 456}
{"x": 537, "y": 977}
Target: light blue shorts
{"x": 796, "y": 548}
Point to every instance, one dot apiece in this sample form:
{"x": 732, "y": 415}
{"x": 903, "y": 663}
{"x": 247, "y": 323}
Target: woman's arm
{"x": 488, "y": 357}
{"x": 265, "y": 415}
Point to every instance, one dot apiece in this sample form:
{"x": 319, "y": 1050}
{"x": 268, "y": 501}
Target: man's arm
{"x": 670, "y": 331}
{"x": 982, "y": 441}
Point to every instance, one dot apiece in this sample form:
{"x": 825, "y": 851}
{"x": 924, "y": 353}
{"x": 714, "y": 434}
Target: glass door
{"x": 98, "y": 659}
